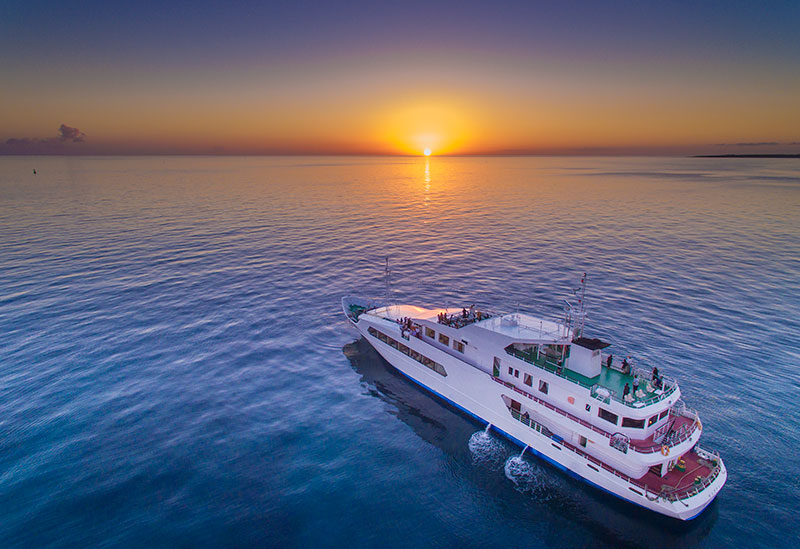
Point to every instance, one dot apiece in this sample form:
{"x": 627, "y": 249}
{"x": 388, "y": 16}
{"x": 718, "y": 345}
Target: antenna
{"x": 387, "y": 276}
{"x": 580, "y": 293}
{"x": 582, "y": 301}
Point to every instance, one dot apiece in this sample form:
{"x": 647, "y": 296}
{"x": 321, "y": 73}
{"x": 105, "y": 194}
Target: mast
{"x": 580, "y": 293}
{"x": 582, "y": 301}
{"x": 387, "y": 277}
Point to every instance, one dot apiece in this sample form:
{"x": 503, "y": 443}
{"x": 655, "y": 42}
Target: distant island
{"x": 746, "y": 156}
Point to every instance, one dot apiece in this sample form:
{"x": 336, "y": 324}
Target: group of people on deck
{"x": 627, "y": 394}
{"x": 408, "y": 328}
{"x": 456, "y": 320}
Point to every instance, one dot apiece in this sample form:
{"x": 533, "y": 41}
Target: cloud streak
{"x": 68, "y": 133}
{"x": 59, "y": 144}
{"x": 751, "y": 144}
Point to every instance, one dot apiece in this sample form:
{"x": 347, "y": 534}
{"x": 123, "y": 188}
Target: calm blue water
{"x": 175, "y": 370}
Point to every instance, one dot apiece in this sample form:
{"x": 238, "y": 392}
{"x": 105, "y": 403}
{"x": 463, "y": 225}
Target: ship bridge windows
{"x": 443, "y": 339}
{"x": 543, "y": 387}
{"x": 528, "y": 380}
{"x": 419, "y": 357}
{"x": 458, "y": 346}
{"x": 652, "y": 420}
{"x": 635, "y": 423}
{"x": 608, "y": 416}
{"x": 663, "y": 414}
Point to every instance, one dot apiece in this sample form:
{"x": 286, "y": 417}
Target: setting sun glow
{"x": 426, "y": 152}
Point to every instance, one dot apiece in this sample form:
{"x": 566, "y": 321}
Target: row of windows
{"x": 629, "y": 422}
{"x": 527, "y": 379}
{"x": 422, "y": 359}
{"x": 444, "y": 340}
{"x": 611, "y": 417}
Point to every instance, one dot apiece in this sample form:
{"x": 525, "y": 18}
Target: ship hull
{"x": 477, "y": 394}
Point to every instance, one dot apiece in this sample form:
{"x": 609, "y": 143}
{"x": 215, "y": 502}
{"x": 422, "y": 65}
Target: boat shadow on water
{"x": 541, "y": 490}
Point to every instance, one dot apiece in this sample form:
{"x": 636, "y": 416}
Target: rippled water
{"x": 174, "y": 367}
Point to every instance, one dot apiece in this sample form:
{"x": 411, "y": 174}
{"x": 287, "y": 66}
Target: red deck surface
{"x": 675, "y": 479}
{"x": 680, "y": 421}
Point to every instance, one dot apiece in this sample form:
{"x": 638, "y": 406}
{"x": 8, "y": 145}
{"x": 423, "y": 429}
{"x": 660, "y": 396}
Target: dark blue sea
{"x": 175, "y": 369}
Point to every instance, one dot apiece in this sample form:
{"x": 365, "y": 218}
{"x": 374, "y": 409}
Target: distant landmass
{"x": 746, "y": 156}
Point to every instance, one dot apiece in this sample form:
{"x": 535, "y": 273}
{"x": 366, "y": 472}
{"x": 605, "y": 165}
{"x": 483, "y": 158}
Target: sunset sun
{"x": 426, "y": 152}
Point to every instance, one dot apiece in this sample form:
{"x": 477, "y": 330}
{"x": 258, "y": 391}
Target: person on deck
{"x": 626, "y": 391}
{"x": 625, "y": 366}
{"x": 609, "y": 360}
{"x": 635, "y": 385}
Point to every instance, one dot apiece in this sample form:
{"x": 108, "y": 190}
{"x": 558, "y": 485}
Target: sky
{"x": 459, "y": 77}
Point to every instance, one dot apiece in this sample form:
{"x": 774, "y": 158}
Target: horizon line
{"x": 400, "y": 155}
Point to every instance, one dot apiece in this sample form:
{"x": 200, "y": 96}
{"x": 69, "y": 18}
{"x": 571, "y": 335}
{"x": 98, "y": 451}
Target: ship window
{"x": 583, "y": 441}
{"x": 458, "y": 346}
{"x": 543, "y": 386}
{"x": 435, "y": 366}
{"x": 652, "y": 420}
{"x": 663, "y": 414}
{"x": 444, "y": 339}
{"x": 608, "y": 416}
{"x": 588, "y": 408}
{"x": 528, "y": 380}
{"x": 635, "y": 423}
{"x": 516, "y": 373}
{"x": 430, "y": 333}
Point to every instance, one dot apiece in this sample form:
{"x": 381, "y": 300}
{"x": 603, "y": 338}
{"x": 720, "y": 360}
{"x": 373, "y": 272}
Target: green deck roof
{"x": 612, "y": 379}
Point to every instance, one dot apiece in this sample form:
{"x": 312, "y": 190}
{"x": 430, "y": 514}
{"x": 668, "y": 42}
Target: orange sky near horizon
{"x": 549, "y": 97}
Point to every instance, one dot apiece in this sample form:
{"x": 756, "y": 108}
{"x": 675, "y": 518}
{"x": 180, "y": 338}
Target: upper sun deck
{"x": 515, "y": 326}
{"x": 397, "y": 312}
{"x": 522, "y": 327}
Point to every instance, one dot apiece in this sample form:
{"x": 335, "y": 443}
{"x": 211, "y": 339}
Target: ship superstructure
{"x": 559, "y": 394}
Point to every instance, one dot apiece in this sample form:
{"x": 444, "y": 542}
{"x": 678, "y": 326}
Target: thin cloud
{"x": 58, "y": 144}
{"x": 68, "y": 133}
{"x": 750, "y": 144}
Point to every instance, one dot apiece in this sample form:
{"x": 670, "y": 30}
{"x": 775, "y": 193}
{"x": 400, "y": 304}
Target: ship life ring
{"x": 665, "y": 450}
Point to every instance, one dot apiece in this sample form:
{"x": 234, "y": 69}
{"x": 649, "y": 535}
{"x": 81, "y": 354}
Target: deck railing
{"x": 684, "y": 432}
{"x": 639, "y": 448}
{"x": 669, "y": 385}
{"x": 545, "y": 364}
{"x": 669, "y": 494}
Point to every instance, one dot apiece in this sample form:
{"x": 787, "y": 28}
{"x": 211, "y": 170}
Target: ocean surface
{"x": 175, "y": 369}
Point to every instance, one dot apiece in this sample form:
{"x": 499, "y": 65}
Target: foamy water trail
{"x": 529, "y": 478}
{"x": 485, "y": 448}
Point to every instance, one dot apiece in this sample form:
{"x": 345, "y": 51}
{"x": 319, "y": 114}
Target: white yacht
{"x": 556, "y": 393}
